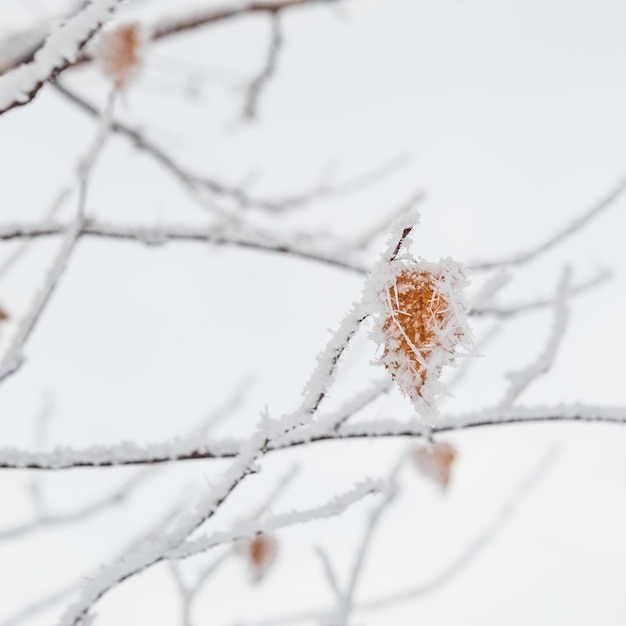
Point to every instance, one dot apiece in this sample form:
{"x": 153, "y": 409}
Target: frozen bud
{"x": 120, "y": 52}
{"x": 420, "y": 320}
{"x": 4, "y": 316}
{"x": 260, "y": 553}
{"x": 435, "y": 461}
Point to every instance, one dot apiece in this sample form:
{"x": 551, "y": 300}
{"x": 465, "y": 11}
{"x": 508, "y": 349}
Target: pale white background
{"x": 510, "y": 115}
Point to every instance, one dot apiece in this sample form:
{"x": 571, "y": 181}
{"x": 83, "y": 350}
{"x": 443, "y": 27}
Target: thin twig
{"x": 558, "y": 237}
{"x": 13, "y": 358}
{"x": 260, "y": 82}
{"x": 521, "y": 379}
{"x": 477, "y": 546}
{"x": 346, "y": 605}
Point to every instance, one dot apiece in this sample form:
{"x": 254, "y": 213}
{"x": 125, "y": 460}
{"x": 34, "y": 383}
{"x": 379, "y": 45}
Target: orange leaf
{"x": 421, "y": 322}
{"x": 119, "y": 53}
{"x": 260, "y": 552}
{"x": 435, "y": 461}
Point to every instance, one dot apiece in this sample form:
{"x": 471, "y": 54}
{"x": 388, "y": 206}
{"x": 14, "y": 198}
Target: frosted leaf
{"x": 435, "y": 461}
{"x": 420, "y": 321}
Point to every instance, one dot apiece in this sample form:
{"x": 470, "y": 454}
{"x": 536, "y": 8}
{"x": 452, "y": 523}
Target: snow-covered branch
{"x": 61, "y": 458}
{"x": 519, "y": 380}
{"x": 61, "y": 49}
{"x": 329, "y": 509}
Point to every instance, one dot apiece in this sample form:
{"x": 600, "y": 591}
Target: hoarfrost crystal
{"x": 420, "y": 320}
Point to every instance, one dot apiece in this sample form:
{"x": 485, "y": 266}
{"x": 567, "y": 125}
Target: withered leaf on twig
{"x": 260, "y": 552}
{"x": 420, "y": 321}
{"x": 435, "y": 461}
{"x": 119, "y": 52}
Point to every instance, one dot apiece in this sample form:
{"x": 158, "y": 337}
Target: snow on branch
{"x": 186, "y": 450}
{"x": 519, "y": 380}
{"x": 324, "y": 373}
{"x": 154, "y": 549}
{"x": 61, "y": 49}
{"x": 215, "y": 234}
{"x": 332, "y": 508}
{"x": 12, "y": 358}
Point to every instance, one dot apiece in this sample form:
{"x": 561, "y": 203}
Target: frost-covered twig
{"x": 154, "y": 551}
{"x": 335, "y": 420}
{"x": 336, "y": 506}
{"x": 180, "y": 23}
{"x": 470, "y": 553}
{"x": 329, "y": 572}
{"x": 219, "y": 234}
{"x": 519, "y": 380}
{"x": 61, "y": 49}
{"x": 324, "y": 373}
{"x": 490, "y": 288}
{"x": 346, "y": 603}
{"x": 506, "y": 311}
{"x": 10, "y": 261}
{"x": 55, "y": 597}
{"x": 133, "y": 454}
{"x": 364, "y": 239}
{"x": 197, "y": 183}
{"x": 13, "y": 358}
{"x": 118, "y": 497}
{"x": 478, "y": 544}
{"x": 213, "y": 15}
{"x": 189, "y": 592}
{"x": 606, "y": 202}
{"x": 259, "y": 83}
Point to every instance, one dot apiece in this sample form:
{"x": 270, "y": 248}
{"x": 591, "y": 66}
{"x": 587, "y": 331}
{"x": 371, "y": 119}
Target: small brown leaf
{"x": 435, "y": 461}
{"x": 4, "y": 316}
{"x": 119, "y": 52}
{"x": 260, "y": 552}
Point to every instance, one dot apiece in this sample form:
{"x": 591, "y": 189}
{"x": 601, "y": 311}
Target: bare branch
{"x": 329, "y": 509}
{"x": 201, "y": 18}
{"x": 196, "y": 184}
{"x": 477, "y": 546}
{"x": 560, "y": 236}
{"x": 118, "y": 497}
{"x": 507, "y": 311}
{"x": 346, "y": 605}
{"x": 260, "y": 82}
{"x": 13, "y": 358}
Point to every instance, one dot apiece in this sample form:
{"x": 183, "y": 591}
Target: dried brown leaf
{"x": 119, "y": 52}
{"x": 435, "y": 461}
{"x": 260, "y": 552}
